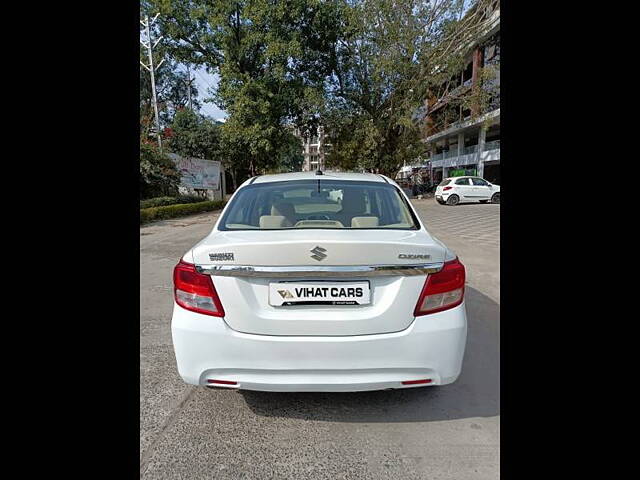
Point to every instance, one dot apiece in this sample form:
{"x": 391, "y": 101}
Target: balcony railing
{"x": 470, "y": 149}
{"x": 466, "y": 151}
{"x": 492, "y": 145}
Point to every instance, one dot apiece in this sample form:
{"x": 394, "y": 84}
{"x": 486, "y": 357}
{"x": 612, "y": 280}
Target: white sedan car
{"x": 454, "y": 190}
{"x": 319, "y": 282}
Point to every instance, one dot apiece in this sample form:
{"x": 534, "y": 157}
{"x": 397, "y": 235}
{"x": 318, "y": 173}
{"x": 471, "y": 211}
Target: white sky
{"x": 204, "y": 81}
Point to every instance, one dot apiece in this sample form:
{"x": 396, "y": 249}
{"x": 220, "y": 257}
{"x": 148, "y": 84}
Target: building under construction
{"x": 462, "y": 141}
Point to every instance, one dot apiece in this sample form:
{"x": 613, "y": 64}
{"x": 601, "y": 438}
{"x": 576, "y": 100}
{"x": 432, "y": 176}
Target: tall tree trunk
{"x": 234, "y": 175}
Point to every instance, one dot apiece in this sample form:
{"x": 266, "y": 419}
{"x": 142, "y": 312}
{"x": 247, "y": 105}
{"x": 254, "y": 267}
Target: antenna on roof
{"x": 319, "y": 172}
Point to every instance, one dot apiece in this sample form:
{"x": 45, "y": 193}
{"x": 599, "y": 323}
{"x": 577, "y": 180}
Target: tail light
{"x": 447, "y": 188}
{"x": 195, "y": 291}
{"x": 442, "y": 290}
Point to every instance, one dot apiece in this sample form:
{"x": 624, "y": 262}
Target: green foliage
{"x": 362, "y": 68}
{"x": 484, "y": 93}
{"x": 193, "y": 135}
{"x": 388, "y": 59}
{"x": 158, "y": 173}
{"x": 172, "y": 85}
{"x": 272, "y": 58}
{"x": 163, "y": 201}
{"x": 290, "y": 157}
{"x": 179, "y": 210}
{"x": 171, "y": 90}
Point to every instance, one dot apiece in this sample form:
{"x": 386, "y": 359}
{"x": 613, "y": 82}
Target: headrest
{"x": 284, "y": 209}
{"x": 272, "y": 221}
{"x": 364, "y": 222}
{"x": 353, "y": 201}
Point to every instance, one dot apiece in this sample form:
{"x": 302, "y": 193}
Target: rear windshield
{"x": 444, "y": 182}
{"x": 318, "y": 204}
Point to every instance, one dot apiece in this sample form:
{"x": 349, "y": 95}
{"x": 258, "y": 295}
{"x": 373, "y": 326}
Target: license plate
{"x": 319, "y": 293}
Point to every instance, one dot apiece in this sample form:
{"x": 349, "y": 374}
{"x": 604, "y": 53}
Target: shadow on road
{"x": 476, "y": 393}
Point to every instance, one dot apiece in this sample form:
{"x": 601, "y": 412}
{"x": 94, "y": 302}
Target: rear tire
{"x": 495, "y": 198}
{"x": 453, "y": 200}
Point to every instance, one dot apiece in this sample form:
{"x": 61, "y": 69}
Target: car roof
{"x": 463, "y": 176}
{"x": 350, "y": 176}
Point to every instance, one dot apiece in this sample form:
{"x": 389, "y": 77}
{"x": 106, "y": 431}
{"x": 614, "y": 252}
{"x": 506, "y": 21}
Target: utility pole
{"x": 147, "y": 24}
{"x": 189, "y": 87}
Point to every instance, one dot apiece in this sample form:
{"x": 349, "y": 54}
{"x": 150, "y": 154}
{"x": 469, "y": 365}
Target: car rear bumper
{"x": 432, "y": 347}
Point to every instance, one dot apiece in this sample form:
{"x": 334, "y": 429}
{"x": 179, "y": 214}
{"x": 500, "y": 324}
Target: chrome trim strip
{"x": 315, "y": 271}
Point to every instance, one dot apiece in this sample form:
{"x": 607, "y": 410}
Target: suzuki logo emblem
{"x": 318, "y": 253}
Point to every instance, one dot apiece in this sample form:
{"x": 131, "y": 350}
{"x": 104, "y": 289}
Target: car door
{"x": 481, "y": 189}
{"x": 464, "y": 188}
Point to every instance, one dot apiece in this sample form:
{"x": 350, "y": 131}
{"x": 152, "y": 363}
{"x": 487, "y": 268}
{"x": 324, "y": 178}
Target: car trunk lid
{"x": 332, "y": 258}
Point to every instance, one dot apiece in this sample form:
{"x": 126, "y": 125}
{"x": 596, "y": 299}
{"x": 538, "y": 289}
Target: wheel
{"x": 495, "y": 198}
{"x": 453, "y": 200}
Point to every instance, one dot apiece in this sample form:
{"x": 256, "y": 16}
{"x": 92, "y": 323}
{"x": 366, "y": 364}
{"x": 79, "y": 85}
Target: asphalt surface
{"x": 450, "y": 432}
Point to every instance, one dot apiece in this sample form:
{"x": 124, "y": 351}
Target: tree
{"x": 272, "y": 58}
{"x": 172, "y": 82}
{"x": 390, "y": 57}
{"x": 194, "y": 135}
{"x": 172, "y": 93}
{"x": 158, "y": 174}
{"x": 290, "y": 157}
{"x": 363, "y": 68}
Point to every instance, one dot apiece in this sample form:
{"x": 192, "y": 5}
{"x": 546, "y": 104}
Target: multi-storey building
{"x": 462, "y": 141}
{"x": 314, "y": 148}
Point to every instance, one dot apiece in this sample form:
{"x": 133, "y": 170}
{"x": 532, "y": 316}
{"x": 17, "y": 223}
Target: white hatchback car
{"x": 319, "y": 282}
{"x": 454, "y": 190}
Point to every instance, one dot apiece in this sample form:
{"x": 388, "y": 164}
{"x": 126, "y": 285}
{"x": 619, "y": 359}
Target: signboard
{"x": 198, "y": 173}
{"x": 462, "y": 172}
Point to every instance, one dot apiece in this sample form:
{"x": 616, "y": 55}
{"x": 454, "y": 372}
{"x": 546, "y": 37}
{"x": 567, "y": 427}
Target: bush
{"x": 172, "y": 211}
{"x": 158, "y": 173}
{"x": 163, "y": 201}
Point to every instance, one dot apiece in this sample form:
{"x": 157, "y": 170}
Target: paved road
{"x": 429, "y": 433}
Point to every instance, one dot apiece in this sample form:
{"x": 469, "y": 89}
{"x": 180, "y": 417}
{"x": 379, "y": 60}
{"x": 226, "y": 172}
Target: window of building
{"x": 467, "y": 74}
{"x": 493, "y": 133}
{"x": 492, "y": 50}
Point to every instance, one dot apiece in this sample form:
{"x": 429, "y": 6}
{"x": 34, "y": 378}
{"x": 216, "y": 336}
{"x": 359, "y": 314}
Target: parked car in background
{"x": 454, "y": 190}
{"x": 319, "y": 282}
